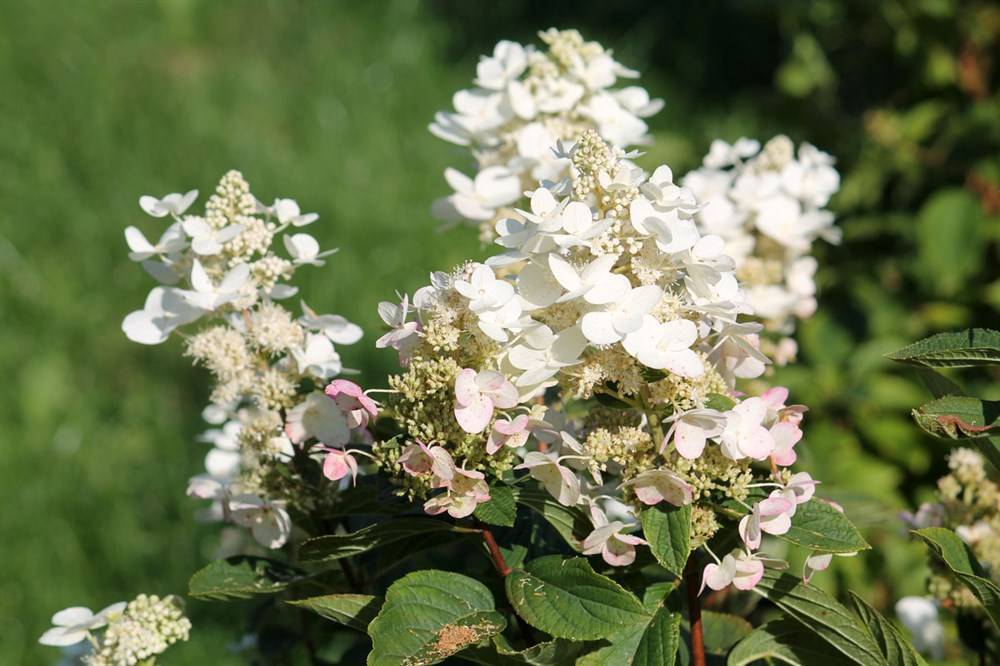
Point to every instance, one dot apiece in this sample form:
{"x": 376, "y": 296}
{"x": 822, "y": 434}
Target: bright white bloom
{"x": 287, "y": 211}
{"x": 74, "y": 624}
{"x": 268, "y": 521}
{"x": 666, "y": 346}
{"x": 171, "y": 204}
{"x": 526, "y": 100}
{"x": 209, "y": 295}
{"x": 319, "y": 417}
{"x": 206, "y": 239}
{"x": 317, "y": 357}
{"x": 304, "y": 249}
{"x": 479, "y": 198}
{"x": 172, "y": 240}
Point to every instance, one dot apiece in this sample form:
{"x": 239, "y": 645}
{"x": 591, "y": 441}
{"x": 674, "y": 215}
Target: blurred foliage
{"x": 328, "y": 103}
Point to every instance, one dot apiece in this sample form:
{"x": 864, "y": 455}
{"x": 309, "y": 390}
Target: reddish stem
{"x": 694, "y": 615}
{"x": 495, "y": 553}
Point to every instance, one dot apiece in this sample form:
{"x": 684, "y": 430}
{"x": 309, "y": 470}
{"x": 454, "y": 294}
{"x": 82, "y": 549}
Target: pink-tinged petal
{"x": 756, "y": 442}
{"x": 775, "y": 505}
{"x": 631, "y": 539}
{"x": 618, "y": 553}
{"x": 511, "y": 427}
{"x": 648, "y": 495}
{"x": 775, "y": 397}
{"x": 489, "y": 381}
{"x": 506, "y": 396}
{"x": 295, "y": 431}
{"x": 777, "y": 525}
{"x": 595, "y": 541}
{"x": 475, "y": 415}
{"x": 336, "y": 466}
{"x": 719, "y": 577}
{"x": 814, "y": 563}
{"x": 415, "y": 459}
{"x": 689, "y": 440}
{"x": 751, "y": 411}
{"x": 443, "y": 466}
{"x": 495, "y": 442}
{"x": 466, "y": 390}
{"x": 749, "y": 530}
{"x": 786, "y": 435}
{"x": 749, "y": 574}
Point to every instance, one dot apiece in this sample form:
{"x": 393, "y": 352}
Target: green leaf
{"x": 823, "y": 615}
{"x": 667, "y": 528}
{"x": 949, "y": 250}
{"x": 557, "y": 652}
{"x": 336, "y": 546}
{"x": 429, "y": 616}
{"x": 500, "y": 509}
{"x": 719, "y": 402}
{"x": 567, "y": 599}
{"x": 788, "y": 642}
{"x": 242, "y": 577}
{"x": 959, "y": 558}
{"x": 818, "y": 526}
{"x": 567, "y": 521}
{"x": 938, "y": 384}
{"x": 897, "y": 650}
{"x": 652, "y": 643}
{"x": 959, "y": 417}
{"x": 974, "y": 346}
{"x": 351, "y": 610}
{"x": 722, "y": 631}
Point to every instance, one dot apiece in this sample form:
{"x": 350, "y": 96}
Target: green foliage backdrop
{"x": 328, "y": 103}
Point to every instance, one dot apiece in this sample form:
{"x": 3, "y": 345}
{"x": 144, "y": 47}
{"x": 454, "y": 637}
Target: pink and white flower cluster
{"x": 605, "y": 274}
{"x": 221, "y": 278}
{"x": 523, "y": 102}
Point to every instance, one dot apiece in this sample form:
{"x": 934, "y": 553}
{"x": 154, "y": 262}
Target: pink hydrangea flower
{"x": 616, "y": 548}
{"x": 467, "y": 490}
{"x": 772, "y": 515}
{"x": 739, "y": 568}
{"x": 418, "y": 459}
{"x": 477, "y": 394}
{"x": 658, "y": 485}
{"x": 745, "y": 435}
{"x": 357, "y": 406}
{"x": 512, "y": 433}
{"x": 338, "y": 464}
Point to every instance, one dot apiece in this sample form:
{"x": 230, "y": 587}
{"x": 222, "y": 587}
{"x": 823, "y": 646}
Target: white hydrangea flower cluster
{"x": 769, "y": 206}
{"x": 133, "y": 631}
{"x": 606, "y": 292}
{"x": 968, "y": 503}
{"x": 525, "y": 100}
{"x": 222, "y": 269}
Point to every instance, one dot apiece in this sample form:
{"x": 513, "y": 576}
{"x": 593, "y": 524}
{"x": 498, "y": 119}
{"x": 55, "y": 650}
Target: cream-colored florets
{"x": 146, "y": 628}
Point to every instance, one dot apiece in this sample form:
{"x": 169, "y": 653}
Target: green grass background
{"x": 326, "y": 103}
